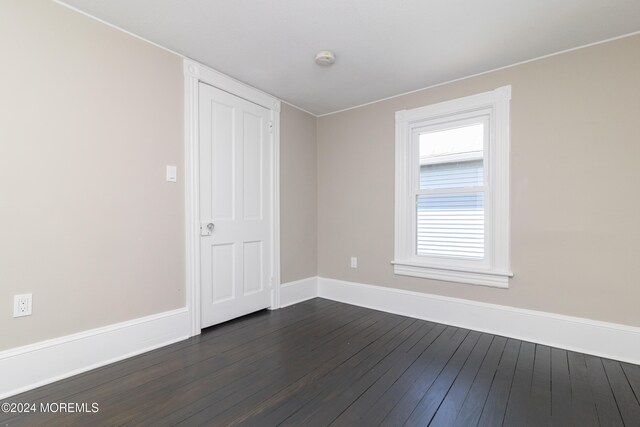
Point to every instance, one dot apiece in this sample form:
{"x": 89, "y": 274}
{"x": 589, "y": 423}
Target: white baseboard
{"x": 298, "y": 291}
{"x": 34, "y": 365}
{"x": 610, "y": 340}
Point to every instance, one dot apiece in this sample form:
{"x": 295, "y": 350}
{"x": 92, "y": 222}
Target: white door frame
{"x": 194, "y": 73}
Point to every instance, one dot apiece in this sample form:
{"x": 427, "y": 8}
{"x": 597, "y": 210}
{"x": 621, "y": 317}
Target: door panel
{"x": 252, "y": 178}
{"x": 252, "y": 267}
{"x": 235, "y": 195}
{"x": 222, "y": 164}
{"x": 222, "y": 262}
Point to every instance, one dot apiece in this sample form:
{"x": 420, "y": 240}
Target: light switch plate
{"x": 172, "y": 173}
{"x": 354, "y": 262}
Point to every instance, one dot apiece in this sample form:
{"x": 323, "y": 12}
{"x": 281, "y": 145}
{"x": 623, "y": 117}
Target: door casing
{"x": 193, "y": 74}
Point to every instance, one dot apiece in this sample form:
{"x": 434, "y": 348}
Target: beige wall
{"x": 298, "y": 194}
{"x": 89, "y": 117}
{"x": 575, "y": 204}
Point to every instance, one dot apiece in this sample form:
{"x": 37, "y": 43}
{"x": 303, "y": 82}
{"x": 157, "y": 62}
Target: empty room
{"x": 320, "y": 213}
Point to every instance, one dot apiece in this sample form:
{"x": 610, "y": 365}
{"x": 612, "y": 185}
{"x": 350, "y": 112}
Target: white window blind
{"x": 451, "y": 225}
{"x": 450, "y": 195}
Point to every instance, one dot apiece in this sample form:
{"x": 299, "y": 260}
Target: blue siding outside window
{"x": 452, "y": 175}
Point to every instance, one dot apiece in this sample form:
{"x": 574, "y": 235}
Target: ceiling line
{"x": 102, "y": 21}
{"x": 484, "y": 72}
{"x": 61, "y": 3}
{"x": 299, "y": 108}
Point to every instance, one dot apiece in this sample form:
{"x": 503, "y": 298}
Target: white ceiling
{"x": 383, "y": 47}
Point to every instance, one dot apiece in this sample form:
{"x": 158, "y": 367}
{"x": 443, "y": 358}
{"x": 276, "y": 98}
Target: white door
{"x": 235, "y": 206}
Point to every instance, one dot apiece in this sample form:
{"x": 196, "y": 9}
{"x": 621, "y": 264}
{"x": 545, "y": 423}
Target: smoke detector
{"x": 325, "y": 58}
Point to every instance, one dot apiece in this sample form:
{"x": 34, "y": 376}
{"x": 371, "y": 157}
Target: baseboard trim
{"x": 609, "y": 340}
{"x": 28, "y": 367}
{"x": 25, "y": 368}
{"x": 298, "y": 291}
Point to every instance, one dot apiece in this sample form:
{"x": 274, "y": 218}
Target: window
{"x": 452, "y": 190}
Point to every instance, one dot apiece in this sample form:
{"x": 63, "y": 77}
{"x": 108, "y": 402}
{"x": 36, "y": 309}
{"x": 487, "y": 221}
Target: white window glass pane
{"x": 451, "y": 225}
{"x": 452, "y": 158}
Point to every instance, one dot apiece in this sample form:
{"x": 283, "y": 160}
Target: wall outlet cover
{"x": 22, "y": 305}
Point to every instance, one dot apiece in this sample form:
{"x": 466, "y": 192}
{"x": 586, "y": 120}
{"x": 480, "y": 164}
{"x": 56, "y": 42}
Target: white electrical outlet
{"x": 354, "y": 262}
{"x": 22, "y": 305}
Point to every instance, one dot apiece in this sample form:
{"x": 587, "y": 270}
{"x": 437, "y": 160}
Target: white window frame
{"x": 494, "y": 268}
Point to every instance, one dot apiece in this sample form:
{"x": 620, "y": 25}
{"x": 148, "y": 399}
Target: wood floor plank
{"x": 337, "y": 381}
{"x": 450, "y": 407}
{"x": 394, "y": 394}
{"x": 474, "y": 401}
{"x": 220, "y": 374}
{"x": 346, "y": 384}
{"x": 560, "y": 388}
{"x": 633, "y": 375}
{"x": 606, "y": 407}
{"x": 517, "y": 404}
{"x": 391, "y": 366}
{"x": 268, "y": 385}
{"x": 426, "y": 408}
{"x": 367, "y": 400}
{"x": 355, "y": 344}
{"x": 321, "y": 363}
{"x": 623, "y": 393}
{"x": 583, "y": 405}
{"x": 407, "y": 403}
{"x": 540, "y": 403}
{"x": 496, "y": 403}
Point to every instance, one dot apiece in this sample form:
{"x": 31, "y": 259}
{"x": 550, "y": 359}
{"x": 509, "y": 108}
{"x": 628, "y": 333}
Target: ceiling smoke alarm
{"x": 325, "y": 58}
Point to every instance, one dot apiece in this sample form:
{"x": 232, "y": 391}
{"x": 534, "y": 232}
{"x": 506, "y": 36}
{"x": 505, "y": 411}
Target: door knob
{"x": 206, "y": 228}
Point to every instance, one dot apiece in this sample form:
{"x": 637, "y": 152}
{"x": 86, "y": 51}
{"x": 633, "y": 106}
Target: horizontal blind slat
{"x": 451, "y": 225}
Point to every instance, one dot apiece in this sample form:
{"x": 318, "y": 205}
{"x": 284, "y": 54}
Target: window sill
{"x": 495, "y": 279}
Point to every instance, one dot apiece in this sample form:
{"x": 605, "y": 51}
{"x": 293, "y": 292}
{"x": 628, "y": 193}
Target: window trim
{"x": 494, "y": 269}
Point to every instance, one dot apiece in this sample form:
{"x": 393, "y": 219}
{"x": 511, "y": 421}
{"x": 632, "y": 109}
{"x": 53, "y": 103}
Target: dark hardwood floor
{"x": 321, "y": 363}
